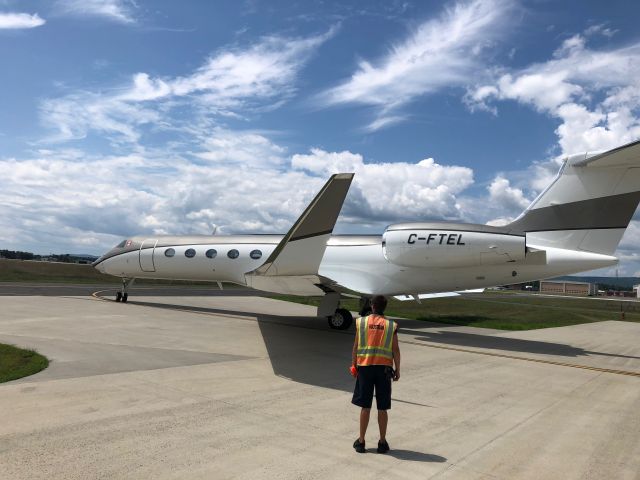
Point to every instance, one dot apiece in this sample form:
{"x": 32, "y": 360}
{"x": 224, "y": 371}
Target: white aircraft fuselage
{"x": 574, "y": 225}
{"x": 352, "y": 263}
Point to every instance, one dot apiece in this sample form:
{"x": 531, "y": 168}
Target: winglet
{"x": 302, "y": 248}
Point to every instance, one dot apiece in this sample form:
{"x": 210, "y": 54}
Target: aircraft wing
{"x": 426, "y": 296}
{"x": 296, "y": 259}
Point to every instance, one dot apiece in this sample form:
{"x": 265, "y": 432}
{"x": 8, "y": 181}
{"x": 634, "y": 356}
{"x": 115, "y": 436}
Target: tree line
{"x": 54, "y": 257}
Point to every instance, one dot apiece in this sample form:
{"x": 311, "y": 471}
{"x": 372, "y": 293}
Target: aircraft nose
{"x": 99, "y": 265}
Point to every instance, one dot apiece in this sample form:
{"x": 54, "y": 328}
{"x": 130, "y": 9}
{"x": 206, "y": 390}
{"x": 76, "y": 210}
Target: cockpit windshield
{"x": 121, "y": 244}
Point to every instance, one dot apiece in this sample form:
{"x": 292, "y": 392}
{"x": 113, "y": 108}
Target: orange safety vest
{"x": 375, "y": 340}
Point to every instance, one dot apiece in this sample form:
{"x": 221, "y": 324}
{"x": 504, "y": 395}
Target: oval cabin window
{"x": 190, "y": 253}
{"x": 233, "y": 253}
{"x": 211, "y": 253}
{"x": 169, "y": 252}
{"x": 255, "y": 254}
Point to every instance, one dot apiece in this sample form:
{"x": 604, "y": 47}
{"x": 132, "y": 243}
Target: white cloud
{"x": 393, "y": 191}
{"x": 231, "y": 82}
{"x": 20, "y": 20}
{"x": 503, "y": 202}
{"x": 594, "y": 93}
{"x": 51, "y": 202}
{"x": 600, "y": 29}
{"x": 440, "y": 53}
{"x": 502, "y": 193}
{"x": 384, "y": 122}
{"x": 120, "y": 11}
{"x": 249, "y": 149}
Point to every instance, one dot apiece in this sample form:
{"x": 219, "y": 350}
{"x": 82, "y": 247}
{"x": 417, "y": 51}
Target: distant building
{"x": 579, "y": 289}
{"x": 636, "y": 289}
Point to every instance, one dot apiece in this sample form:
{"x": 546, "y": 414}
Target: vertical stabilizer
{"x": 589, "y": 204}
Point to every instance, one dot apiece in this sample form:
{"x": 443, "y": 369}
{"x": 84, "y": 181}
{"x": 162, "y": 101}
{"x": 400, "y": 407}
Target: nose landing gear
{"x": 123, "y": 295}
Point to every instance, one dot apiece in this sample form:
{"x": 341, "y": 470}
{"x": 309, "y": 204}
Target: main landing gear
{"x": 123, "y": 295}
{"x": 365, "y": 306}
{"x": 340, "y": 318}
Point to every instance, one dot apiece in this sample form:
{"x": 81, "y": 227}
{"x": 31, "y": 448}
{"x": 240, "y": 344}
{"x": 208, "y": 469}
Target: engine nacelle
{"x": 451, "y": 245}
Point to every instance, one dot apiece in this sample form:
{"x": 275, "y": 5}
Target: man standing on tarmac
{"x": 375, "y": 351}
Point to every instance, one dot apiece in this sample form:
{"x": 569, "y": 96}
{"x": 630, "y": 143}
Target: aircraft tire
{"x": 341, "y": 320}
{"x": 118, "y": 296}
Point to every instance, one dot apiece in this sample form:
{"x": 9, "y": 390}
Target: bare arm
{"x": 396, "y": 355}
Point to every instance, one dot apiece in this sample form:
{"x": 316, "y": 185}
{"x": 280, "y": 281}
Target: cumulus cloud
{"x": 49, "y": 200}
{"x": 393, "y": 191}
{"x": 504, "y": 200}
{"x": 439, "y": 53}
{"x": 233, "y": 81}
{"x": 20, "y": 20}
{"x": 594, "y": 93}
{"x": 508, "y": 197}
{"x": 120, "y": 11}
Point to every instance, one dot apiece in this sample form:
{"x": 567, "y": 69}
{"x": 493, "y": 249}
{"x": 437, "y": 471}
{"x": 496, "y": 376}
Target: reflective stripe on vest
{"x": 373, "y": 348}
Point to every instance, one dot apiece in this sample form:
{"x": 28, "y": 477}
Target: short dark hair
{"x": 378, "y": 304}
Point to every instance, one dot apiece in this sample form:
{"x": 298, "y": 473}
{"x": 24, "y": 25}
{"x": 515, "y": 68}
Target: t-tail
{"x": 589, "y": 204}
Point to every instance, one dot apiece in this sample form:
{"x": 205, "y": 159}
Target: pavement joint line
{"x": 527, "y": 359}
{"x": 424, "y": 344}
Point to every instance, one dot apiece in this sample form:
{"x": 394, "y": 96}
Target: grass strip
{"x": 502, "y": 312}
{"x": 17, "y": 362}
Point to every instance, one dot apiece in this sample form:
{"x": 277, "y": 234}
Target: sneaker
{"x": 383, "y": 446}
{"x": 359, "y": 446}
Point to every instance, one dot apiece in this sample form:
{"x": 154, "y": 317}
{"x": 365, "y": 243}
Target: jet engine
{"x": 451, "y": 245}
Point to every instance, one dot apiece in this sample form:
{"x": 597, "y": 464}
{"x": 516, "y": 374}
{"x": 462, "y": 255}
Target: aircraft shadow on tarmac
{"x": 460, "y": 339}
{"x": 305, "y": 350}
{"x": 302, "y": 349}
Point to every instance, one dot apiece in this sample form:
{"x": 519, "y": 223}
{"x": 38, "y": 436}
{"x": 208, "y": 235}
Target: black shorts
{"x": 377, "y": 376}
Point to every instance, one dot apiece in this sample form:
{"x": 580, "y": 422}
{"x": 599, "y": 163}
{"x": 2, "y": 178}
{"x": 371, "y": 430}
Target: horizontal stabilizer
{"x": 626, "y": 155}
{"x": 301, "y": 250}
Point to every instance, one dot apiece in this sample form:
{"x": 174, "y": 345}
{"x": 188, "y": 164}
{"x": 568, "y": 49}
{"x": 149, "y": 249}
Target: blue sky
{"x": 152, "y": 117}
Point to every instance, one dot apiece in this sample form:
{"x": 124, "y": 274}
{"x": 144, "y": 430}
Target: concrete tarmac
{"x": 247, "y": 387}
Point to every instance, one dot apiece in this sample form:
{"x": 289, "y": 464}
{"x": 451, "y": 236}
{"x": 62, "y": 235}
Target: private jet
{"x": 574, "y": 225}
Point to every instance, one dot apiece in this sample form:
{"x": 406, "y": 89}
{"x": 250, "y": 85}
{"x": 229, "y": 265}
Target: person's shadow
{"x": 411, "y": 456}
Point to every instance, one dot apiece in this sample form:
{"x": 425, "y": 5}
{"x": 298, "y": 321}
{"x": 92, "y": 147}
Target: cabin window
{"x": 169, "y": 252}
{"x": 255, "y": 254}
{"x": 211, "y": 253}
{"x": 190, "y": 253}
{"x": 233, "y": 253}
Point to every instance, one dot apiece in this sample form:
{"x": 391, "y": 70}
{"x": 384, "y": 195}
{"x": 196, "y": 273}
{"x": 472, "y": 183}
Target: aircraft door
{"x": 147, "y": 251}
